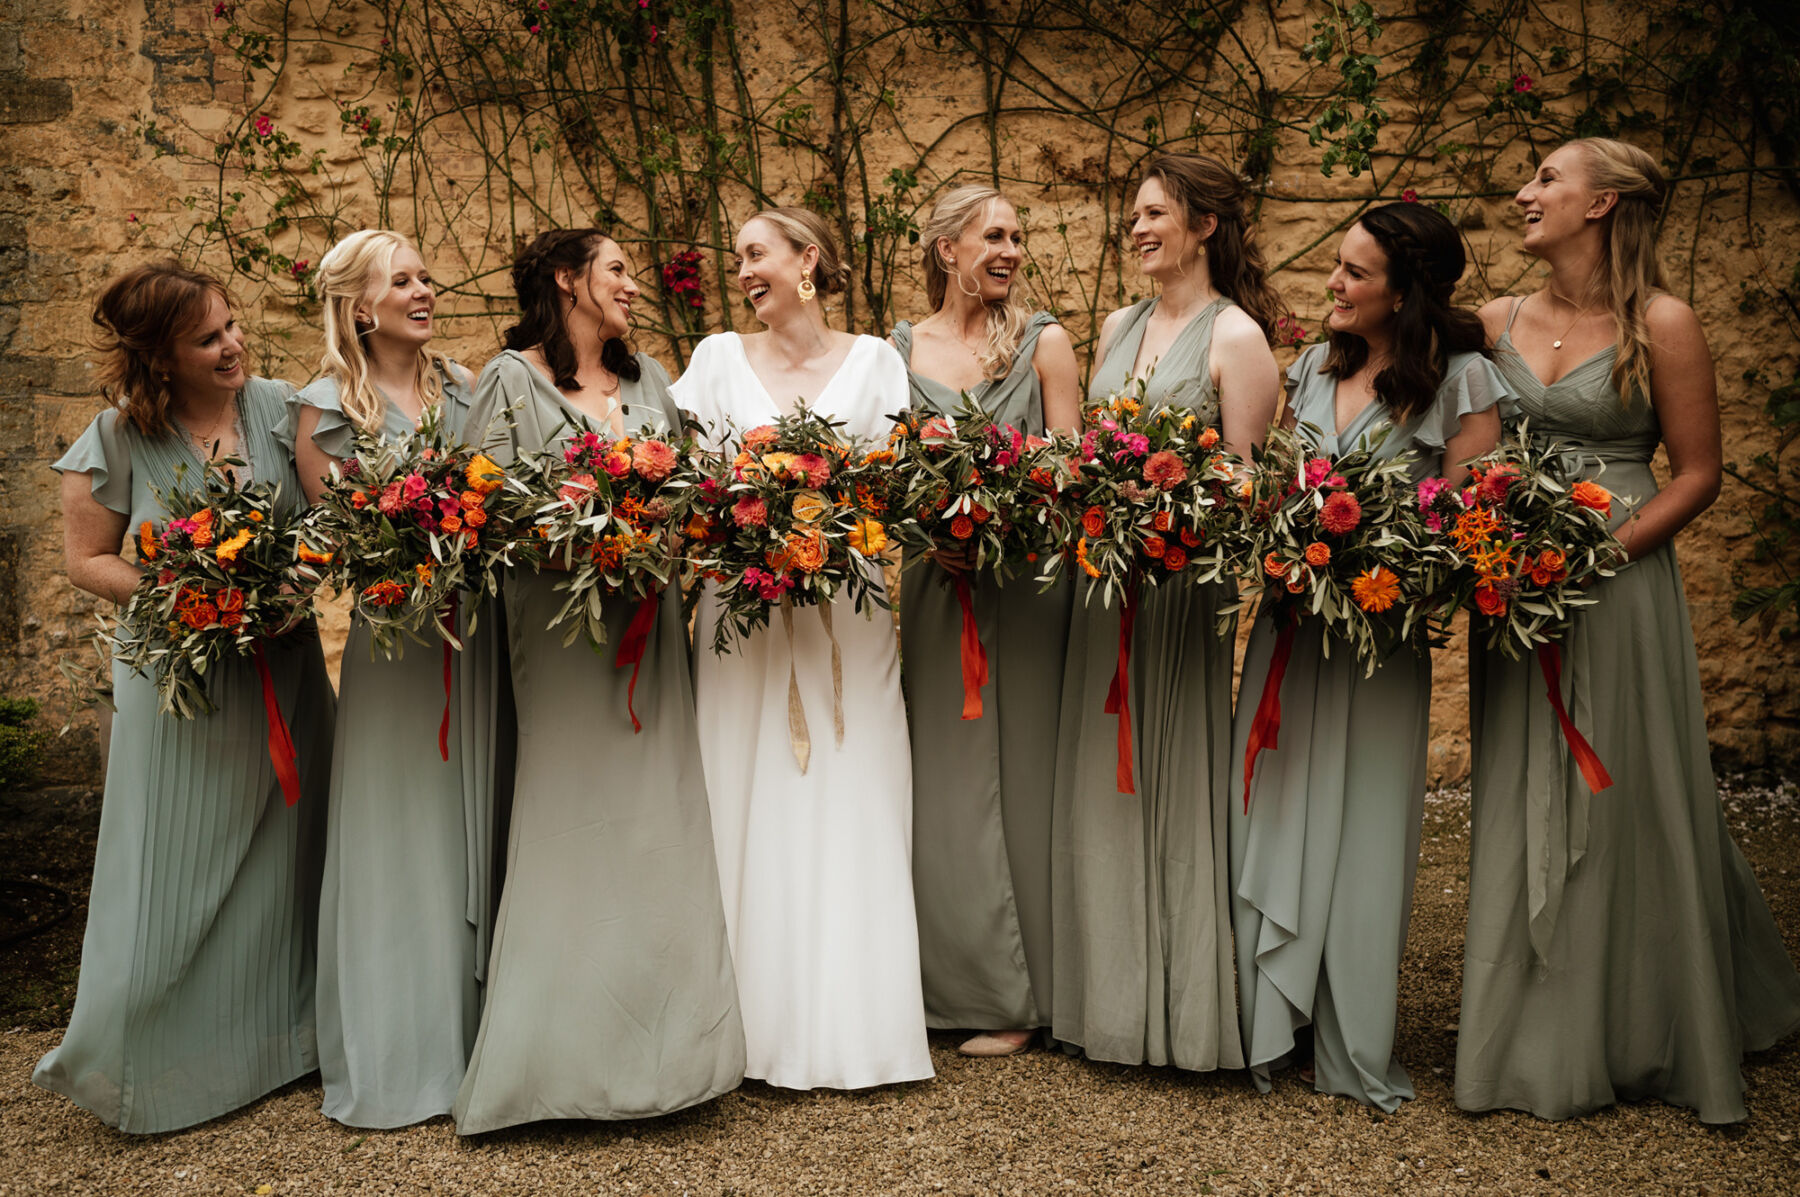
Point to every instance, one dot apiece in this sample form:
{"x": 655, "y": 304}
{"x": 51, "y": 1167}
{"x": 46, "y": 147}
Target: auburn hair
{"x": 137, "y": 318}
{"x": 1198, "y": 186}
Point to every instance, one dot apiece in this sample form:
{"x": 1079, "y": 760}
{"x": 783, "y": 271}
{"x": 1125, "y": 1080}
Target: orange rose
{"x": 1209, "y": 438}
{"x": 1190, "y": 538}
{"x": 1155, "y": 546}
{"x": 1161, "y": 521}
{"x": 1175, "y": 558}
{"x": 1490, "y": 601}
{"x": 452, "y": 524}
{"x": 1093, "y": 521}
{"x": 981, "y": 514}
{"x": 1273, "y": 566}
{"x": 962, "y": 527}
{"x": 474, "y": 518}
{"x": 1318, "y": 553}
{"x": 1592, "y": 496}
{"x": 807, "y": 551}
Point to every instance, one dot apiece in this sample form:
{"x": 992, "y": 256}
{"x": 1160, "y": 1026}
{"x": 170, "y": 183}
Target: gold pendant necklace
{"x": 1557, "y": 344}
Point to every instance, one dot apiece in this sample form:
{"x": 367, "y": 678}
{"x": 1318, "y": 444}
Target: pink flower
{"x": 1340, "y": 514}
{"x": 301, "y": 268}
{"x": 1496, "y": 483}
{"x": 392, "y": 503}
{"x": 1133, "y": 444}
{"x": 1317, "y": 470}
{"x": 617, "y": 462}
{"x": 1429, "y": 490}
{"x": 536, "y": 29}
{"x": 264, "y": 126}
{"x": 936, "y": 429}
{"x": 414, "y": 487}
{"x": 750, "y": 512}
{"x": 1410, "y": 195}
{"x": 711, "y": 491}
{"x": 1164, "y": 470}
{"x": 816, "y": 469}
{"x": 1522, "y": 83}
{"x": 131, "y": 218}
{"x": 578, "y": 488}
{"x": 653, "y": 460}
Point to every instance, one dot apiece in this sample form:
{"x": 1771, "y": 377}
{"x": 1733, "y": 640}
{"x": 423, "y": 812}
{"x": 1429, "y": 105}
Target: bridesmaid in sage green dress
{"x": 1141, "y": 947}
{"x": 196, "y": 990}
{"x": 1618, "y": 945}
{"x": 982, "y": 787}
{"x": 610, "y": 991}
{"x": 405, "y": 910}
{"x": 1322, "y": 865}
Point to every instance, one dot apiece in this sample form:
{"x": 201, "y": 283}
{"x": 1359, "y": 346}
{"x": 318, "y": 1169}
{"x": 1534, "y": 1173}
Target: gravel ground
{"x": 1032, "y": 1124}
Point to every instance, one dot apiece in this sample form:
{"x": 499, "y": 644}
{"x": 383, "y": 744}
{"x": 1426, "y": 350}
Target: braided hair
{"x": 1424, "y": 263}
{"x": 544, "y": 308}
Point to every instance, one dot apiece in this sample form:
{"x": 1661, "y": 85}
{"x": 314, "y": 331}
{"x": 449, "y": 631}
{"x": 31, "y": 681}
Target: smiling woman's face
{"x": 769, "y": 269}
{"x": 206, "y": 359}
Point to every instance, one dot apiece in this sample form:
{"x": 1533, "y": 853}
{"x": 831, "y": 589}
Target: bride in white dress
{"x": 816, "y": 867}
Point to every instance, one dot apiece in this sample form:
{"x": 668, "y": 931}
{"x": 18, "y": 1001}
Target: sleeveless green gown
{"x": 1322, "y": 867}
{"x": 1141, "y": 934}
{"x": 406, "y": 907}
{"x": 1618, "y": 945}
{"x": 610, "y": 991}
{"x": 196, "y": 989}
{"x": 982, "y": 788}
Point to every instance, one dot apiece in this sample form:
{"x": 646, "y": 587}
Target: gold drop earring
{"x": 806, "y": 289}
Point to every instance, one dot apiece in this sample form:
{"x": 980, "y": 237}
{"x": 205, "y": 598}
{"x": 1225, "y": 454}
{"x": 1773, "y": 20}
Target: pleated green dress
{"x": 1322, "y": 867}
{"x": 1618, "y": 945}
{"x": 610, "y": 987}
{"x": 982, "y": 788}
{"x": 405, "y": 911}
{"x": 196, "y": 989}
{"x": 1141, "y": 931}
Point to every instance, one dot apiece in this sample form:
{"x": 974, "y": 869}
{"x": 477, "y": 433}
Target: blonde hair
{"x": 802, "y": 227}
{"x": 1007, "y": 319}
{"x": 1634, "y": 273}
{"x": 348, "y": 273}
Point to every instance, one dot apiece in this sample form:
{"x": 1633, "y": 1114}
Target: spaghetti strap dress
{"x": 1322, "y": 865}
{"x": 406, "y": 907}
{"x": 982, "y": 788}
{"x": 196, "y": 988}
{"x": 610, "y": 992}
{"x": 1618, "y": 945}
{"x": 1141, "y": 925}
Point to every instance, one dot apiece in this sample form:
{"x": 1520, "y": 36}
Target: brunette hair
{"x": 543, "y": 310}
{"x": 802, "y": 227}
{"x": 1634, "y": 273}
{"x": 1199, "y": 186}
{"x": 1424, "y": 262}
{"x": 1007, "y": 319}
{"x": 349, "y": 272}
{"x": 138, "y": 316}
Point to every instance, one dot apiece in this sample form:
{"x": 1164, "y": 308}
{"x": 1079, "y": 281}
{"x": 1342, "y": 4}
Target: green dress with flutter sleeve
{"x": 406, "y": 909}
{"x": 610, "y": 991}
{"x": 982, "y": 788}
{"x": 1141, "y": 949}
{"x": 1322, "y": 866}
{"x": 196, "y": 989}
{"x": 1618, "y": 945}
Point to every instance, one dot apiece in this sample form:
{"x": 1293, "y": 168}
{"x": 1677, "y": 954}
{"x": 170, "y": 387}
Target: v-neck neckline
{"x": 1506, "y": 335}
{"x": 242, "y": 424}
{"x": 737, "y": 340}
{"x": 1131, "y": 374}
{"x": 587, "y": 422}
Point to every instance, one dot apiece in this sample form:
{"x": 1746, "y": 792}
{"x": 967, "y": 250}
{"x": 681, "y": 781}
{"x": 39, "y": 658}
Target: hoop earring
{"x": 807, "y": 290}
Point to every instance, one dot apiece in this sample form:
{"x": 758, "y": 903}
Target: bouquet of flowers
{"x": 1342, "y": 540}
{"x": 789, "y": 522}
{"x": 781, "y": 526}
{"x": 1153, "y": 496}
{"x": 967, "y": 480}
{"x": 610, "y": 511}
{"x": 221, "y": 575}
{"x": 1525, "y": 544}
{"x": 411, "y": 523}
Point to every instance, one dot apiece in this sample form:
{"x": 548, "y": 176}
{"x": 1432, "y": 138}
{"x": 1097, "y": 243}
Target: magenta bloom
{"x": 1522, "y": 84}
{"x": 264, "y": 126}
{"x": 415, "y": 487}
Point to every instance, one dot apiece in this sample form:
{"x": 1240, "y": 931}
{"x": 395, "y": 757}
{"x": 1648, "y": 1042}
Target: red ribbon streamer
{"x": 1592, "y": 771}
{"x": 631, "y": 650}
{"x": 281, "y": 742}
{"x": 1265, "y": 729}
{"x": 444, "y": 723}
{"x": 1118, "y": 695}
{"x": 974, "y": 657}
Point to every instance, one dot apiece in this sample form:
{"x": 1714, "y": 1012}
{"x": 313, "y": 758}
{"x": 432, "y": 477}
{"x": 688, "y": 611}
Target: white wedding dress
{"x": 816, "y": 868}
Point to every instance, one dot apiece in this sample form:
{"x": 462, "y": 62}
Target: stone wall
{"x": 90, "y": 89}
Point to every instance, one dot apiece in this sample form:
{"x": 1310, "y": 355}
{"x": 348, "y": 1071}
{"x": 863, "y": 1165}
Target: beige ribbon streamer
{"x": 798, "y": 737}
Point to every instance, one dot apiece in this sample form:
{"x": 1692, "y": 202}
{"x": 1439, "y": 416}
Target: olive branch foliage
{"x": 475, "y": 124}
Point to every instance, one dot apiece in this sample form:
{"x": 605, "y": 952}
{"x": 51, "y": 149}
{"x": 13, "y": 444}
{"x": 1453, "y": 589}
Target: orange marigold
{"x": 311, "y": 555}
{"x": 1081, "y": 559}
{"x": 868, "y": 537}
{"x": 1376, "y": 589}
{"x": 483, "y": 474}
{"x": 146, "y": 541}
{"x": 227, "y": 553}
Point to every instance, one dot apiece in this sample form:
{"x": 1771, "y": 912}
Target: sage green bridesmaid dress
{"x": 196, "y": 989}
{"x": 610, "y": 987}
{"x": 1322, "y": 866}
{"x": 1141, "y": 933}
{"x": 405, "y": 911}
{"x": 1618, "y": 946}
{"x": 982, "y": 788}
